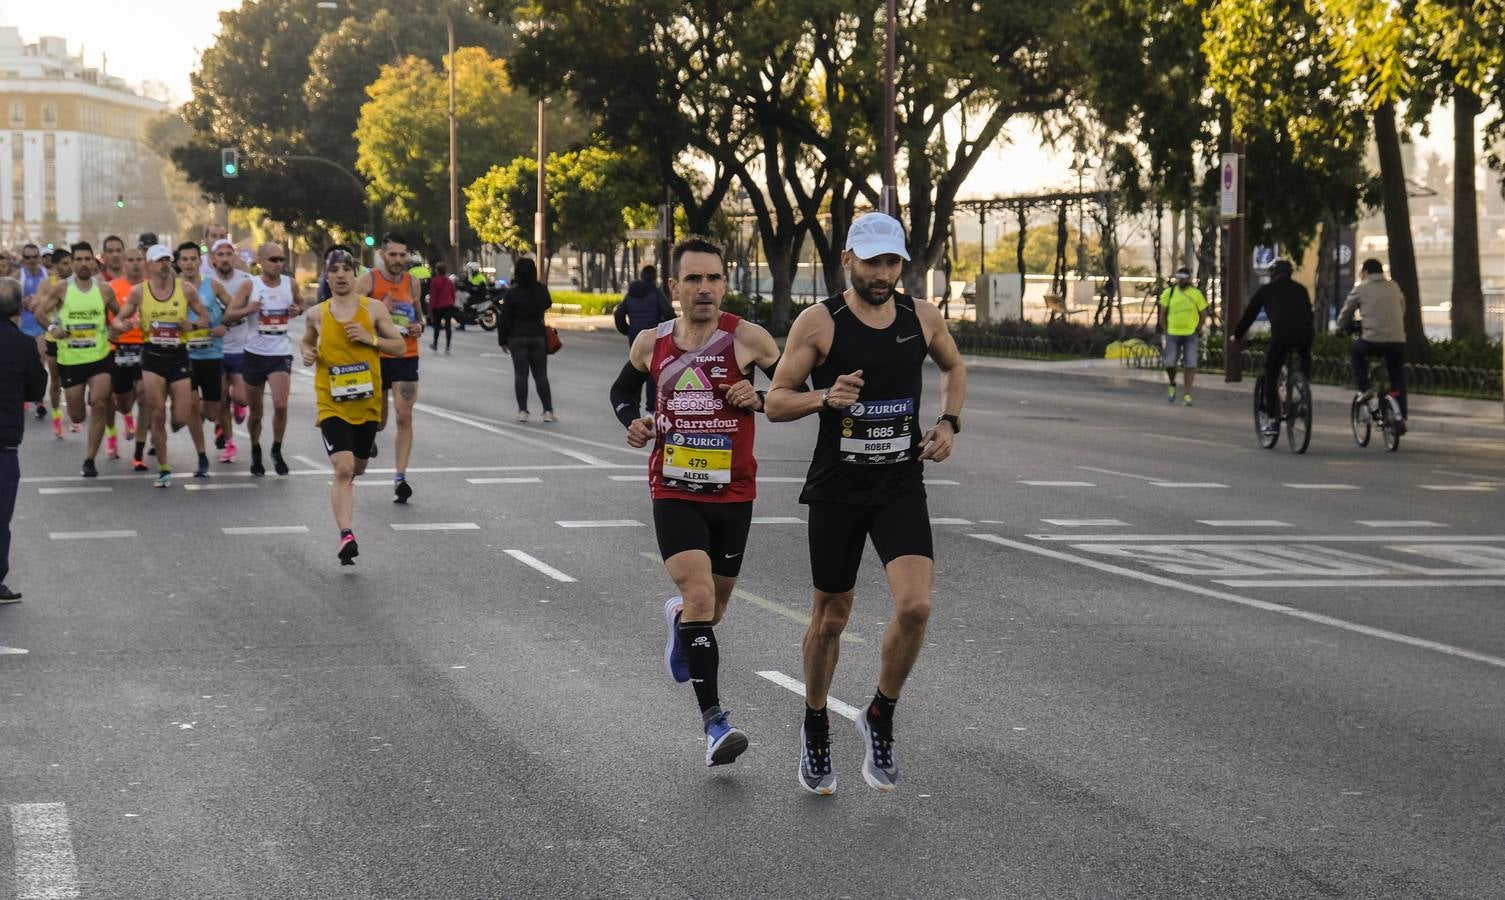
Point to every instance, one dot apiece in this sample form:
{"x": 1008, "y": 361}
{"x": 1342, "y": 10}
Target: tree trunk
{"x": 1468, "y": 294}
{"x": 1398, "y": 228}
{"x": 1323, "y": 297}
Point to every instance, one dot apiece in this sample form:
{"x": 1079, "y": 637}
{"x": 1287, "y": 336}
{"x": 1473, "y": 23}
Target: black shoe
{"x": 203, "y": 470}
{"x": 257, "y": 468}
{"x": 278, "y": 465}
{"x": 9, "y": 596}
{"x": 89, "y": 470}
{"x": 41, "y": 414}
{"x": 349, "y": 550}
{"x": 404, "y": 491}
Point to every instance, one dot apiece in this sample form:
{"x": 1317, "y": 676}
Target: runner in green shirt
{"x": 1182, "y": 313}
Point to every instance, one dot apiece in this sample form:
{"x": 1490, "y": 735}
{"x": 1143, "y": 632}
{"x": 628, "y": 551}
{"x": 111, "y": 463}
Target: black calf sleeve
{"x": 702, "y": 659}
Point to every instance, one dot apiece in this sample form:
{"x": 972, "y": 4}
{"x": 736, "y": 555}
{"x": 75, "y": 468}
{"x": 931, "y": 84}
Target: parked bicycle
{"x": 1295, "y": 399}
{"x": 1377, "y": 407}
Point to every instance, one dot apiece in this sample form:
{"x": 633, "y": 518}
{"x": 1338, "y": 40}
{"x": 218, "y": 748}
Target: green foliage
{"x": 1470, "y": 353}
{"x": 594, "y": 193}
{"x": 403, "y": 133}
{"x": 589, "y": 304}
{"x": 500, "y": 205}
{"x": 1059, "y": 339}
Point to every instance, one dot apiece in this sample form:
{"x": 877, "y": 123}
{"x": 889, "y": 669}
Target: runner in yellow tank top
{"x": 344, "y": 338}
{"x": 398, "y": 290}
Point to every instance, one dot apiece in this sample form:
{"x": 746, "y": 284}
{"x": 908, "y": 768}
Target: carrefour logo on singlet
{"x": 882, "y": 409}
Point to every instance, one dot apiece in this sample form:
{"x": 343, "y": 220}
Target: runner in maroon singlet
{"x": 701, "y": 473}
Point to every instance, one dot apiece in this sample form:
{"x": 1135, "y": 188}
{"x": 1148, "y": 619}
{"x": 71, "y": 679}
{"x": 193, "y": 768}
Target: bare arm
{"x": 112, "y": 303}
{"x": 122, "y": 324}
{"x": 309, "y": 346}
{"x": 755, "y": 347}
{"x": 415, "y": 290}
{"x": 786, "y": 401}
{"x": 240, "y": 306}
{"x": 297, "y": 308}
{"x": 938, "y": 440}
{"x": 46, "y": 301}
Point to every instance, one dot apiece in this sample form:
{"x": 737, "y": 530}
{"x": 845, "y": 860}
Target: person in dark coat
{"x": 22, "y": 380}
{"x": 1288, "y": 307}
{"x": 520, "y": 333}
{"x": 642, "y": 309}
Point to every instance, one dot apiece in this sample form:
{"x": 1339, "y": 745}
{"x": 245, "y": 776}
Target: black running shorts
{"x": 123, "y": 378}
{"x": 718, "y": 529}
{"x": 395, "y": 370}
{"x": 342, "y": 437}
{"x": 171, "y": 365}
{"x": 208, "y": 379}
{"x": 73, "y": 376}
{"x": 256, "y": 369}
{"x": 51, "y": 348}
{"x": 838, "y": 532}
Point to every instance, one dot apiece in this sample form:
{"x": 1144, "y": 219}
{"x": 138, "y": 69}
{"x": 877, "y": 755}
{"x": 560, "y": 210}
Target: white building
{"x": 71, "y": 148}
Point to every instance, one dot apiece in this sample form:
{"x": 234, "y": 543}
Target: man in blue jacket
{"x": 22, "y": 380}
{"x": 642, "y": 309}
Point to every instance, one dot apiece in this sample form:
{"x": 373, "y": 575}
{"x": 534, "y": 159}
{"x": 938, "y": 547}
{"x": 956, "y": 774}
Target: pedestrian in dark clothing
{"x": 22, "y": 380}
{"x": 642, "y": 309}
{"x": 442, "y": 305}
{"x": 1288, "y": 307}
{"x": 520, "y": 333}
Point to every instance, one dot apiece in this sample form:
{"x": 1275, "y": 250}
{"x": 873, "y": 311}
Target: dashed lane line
{"x": 1244, "y": 523}
{"x": 777, "y": 520}
{"x": 945, "y": 520}
{"x": 265, "y": 529}
{"x": 1360, "y": 582}
{"x": 516, "y": 480}
{"x": 600, "y": 523}
{"x": 1271, "y": 538}
{"x": 75, "y": 490}
{"x": 512, "y": 434}
{"x": 313, "y": 464}
{"x": 1084, "y": 523}
{"x": 1463, "y": 488}
{"x": 90, "y": 535}
{"x": 1399, "y": 523}
{"x": 220, "y": 487}
{"x": 794, "y": 685}
{"x": 1057, "y": 483}
{"x": 12, "y": 651}
{"x": 435, "y": 526}
{"x": 1213, "y": 485}
{"x": 1281, "y": 609}
{"x": 1323, "y": 487}
{"x": 43, "y": 842}
{"x": 534, "y": 562}
{"x": 1118, "y": 473}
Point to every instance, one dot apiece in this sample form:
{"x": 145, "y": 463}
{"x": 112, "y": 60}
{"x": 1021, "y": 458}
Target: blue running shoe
{"x": 816, "y": 774}
{"x": 878, "y": 767}
{"x": 674, "y": 652}
{"x": 723, "y": 741}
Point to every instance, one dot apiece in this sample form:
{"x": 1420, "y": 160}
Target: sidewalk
{"x": 1444, "y": 415}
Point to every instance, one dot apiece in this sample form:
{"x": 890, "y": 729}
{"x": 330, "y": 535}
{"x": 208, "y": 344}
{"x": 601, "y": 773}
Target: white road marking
{"x": 45, "y": 867}
{"x": 640, "y": 477}
{"x": 600, "y": 523}
{"x": 266, "y": 529}
{"x": 220, "y": 487}
{"x": 1084, "y": 523}
{"x": 425, "y": 470}
{"x": 1361, "y": 582}
{"x": 941, "y": 481}
{"x": 1244, "y": 523}
{"x": 1119, "y": 474}
{"x": 943, "y": 520}
{"x": 89, "y": 535}
{"x": 512, "y": 434}
{"x": 534, "y": 434}
{"x": 777, "y": 520}
{"x": 1476, "y": 488}
{"x": 536, "y": 563}
{"x": 1182, "y": 585}
{"x": 435, "y": 526}
{"x": 1058, "y": 483}
{"x": 518, "y": 480}
{"x": 789, "y": 479}
{"x": 1399, "y": 523}
{"x": 75, "y": 490}
{"x": 1188, "y": 440}
{"x": 1477, "y": 478}
{"x": 12, "y": 651}
{"x": 845, "y": 710}
{"x": 1189, "y": 484}
{"x": 1324, "y": 487}
{"x": 313, "y": 464}
{"x": 1277, "y": 538}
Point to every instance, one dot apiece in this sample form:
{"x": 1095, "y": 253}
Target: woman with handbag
{"x": 522, "y": 334}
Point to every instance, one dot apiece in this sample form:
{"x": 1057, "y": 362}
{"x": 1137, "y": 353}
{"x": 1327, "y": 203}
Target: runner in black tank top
{"x": 865, "y": 350}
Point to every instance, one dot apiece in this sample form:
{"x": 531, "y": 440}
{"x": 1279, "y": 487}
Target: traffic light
{"x": 120, "y": 201}
{"x": 229, "y": 162}
{"x": 369, "y": 240}
{"x": 49, "y": 247}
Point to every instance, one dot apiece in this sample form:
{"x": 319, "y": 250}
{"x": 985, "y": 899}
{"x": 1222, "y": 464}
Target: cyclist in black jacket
{"x": 1288, "y": 307}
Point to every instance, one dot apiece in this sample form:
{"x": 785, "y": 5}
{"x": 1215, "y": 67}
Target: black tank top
{"x": 869, "y": 452}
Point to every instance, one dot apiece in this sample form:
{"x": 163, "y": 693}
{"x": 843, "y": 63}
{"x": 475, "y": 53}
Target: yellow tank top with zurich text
{"x": 160, "y": 318}
{"x": 347, "y": 381}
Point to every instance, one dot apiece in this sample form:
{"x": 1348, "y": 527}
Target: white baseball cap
{"x": 156, "y": 252}
{"x": 222, "y": 242}
{"x": 876, "y": 234}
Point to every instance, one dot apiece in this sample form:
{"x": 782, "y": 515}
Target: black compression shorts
{"x": 395, "y": 370}
{"x": 838, "y": 532}
{"x": 73, "y": 376}
{"x": 718, "y": 529}
{"x": 171, "y": 365}
{"x": 208, "y": 379}
{"x": 342, "y": 437}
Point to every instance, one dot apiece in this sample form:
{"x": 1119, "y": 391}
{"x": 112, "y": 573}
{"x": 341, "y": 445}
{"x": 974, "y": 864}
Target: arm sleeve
{"x": 625, "y": 392}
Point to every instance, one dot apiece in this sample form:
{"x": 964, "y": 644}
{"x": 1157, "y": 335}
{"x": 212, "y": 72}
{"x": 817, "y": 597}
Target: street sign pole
{"x": 1231, "y": 206}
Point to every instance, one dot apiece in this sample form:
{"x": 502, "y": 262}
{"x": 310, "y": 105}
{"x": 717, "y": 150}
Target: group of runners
{"x": 855, "y": 360}
{"x": 162, "y": 338}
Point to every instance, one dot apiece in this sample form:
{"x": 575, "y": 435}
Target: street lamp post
{"x": 539, "y": 222}
{"x": 889, "y": 202}
{"x": 454, "y": 183}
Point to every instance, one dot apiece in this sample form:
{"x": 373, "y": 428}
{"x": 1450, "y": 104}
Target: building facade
{"x": 72, "y": 149}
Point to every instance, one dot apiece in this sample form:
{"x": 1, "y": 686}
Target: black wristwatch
{"x": 954, "y": 421}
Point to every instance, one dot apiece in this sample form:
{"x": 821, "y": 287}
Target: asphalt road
{"x": 1162, "y": 663}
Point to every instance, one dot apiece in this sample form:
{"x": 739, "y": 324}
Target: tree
{"x": 500, "y": 205}
{"x": 403, "y": 134}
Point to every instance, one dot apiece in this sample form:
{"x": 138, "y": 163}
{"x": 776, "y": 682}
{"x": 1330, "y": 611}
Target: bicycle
{"x": 1377, "y": 406}
{"x": 1295, "y": 395}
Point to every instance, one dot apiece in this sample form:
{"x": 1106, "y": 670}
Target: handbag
{"x": 551, "y": 340}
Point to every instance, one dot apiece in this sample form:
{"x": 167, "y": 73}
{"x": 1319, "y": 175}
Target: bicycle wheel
{"x": 1261, "y": 418}
{"x": 1389, "y": 417}
{"x": 1298, "y": 413}
{"x": 1358, "y": 417}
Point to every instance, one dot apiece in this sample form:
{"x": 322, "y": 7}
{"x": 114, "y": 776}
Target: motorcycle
{"x": 479, "y": 305}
